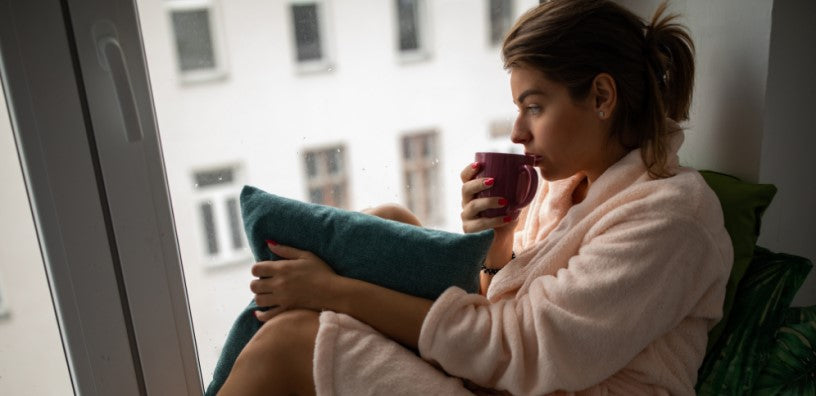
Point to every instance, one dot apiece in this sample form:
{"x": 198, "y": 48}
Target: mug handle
{"x": 532, "y": 186}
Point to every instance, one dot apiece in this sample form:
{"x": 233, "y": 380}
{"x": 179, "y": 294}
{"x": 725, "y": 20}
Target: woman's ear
{"x": 605, "y": 94}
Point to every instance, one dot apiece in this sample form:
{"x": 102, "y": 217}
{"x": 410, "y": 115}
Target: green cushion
{"x": 742, "y": 204}
{"x": 767, "y": 289}
{"x": 402, "y": 257}
{"x": 791, "y": 367}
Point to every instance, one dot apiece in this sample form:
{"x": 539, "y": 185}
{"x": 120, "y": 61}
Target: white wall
{"x": 731, "y": 40}
{"x": 752, "y": 112}
{"x": 789, "y": 139}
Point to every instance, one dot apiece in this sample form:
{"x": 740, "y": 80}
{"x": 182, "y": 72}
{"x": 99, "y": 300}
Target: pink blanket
{"x": 614, "y": 295}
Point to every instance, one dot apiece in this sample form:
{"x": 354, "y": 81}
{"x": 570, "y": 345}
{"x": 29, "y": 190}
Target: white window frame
{"x": 218, "y": 195}
{"x": 213, "y": 8}
{"x": 423, "y": 53}
{"x": 101, "y": 206}
{"x": 325, "y": 26}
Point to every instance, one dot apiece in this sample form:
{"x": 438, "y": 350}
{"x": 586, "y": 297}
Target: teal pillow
{"x": 742, "y": 204}
{"x": 734, "y": 365}
{"x": 402, "y": 257}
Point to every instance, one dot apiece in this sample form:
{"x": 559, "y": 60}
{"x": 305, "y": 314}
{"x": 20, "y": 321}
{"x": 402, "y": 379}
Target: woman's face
{"x": 564, "y": 135}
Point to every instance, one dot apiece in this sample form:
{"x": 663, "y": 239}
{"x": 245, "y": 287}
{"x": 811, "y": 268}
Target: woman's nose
{"x": 520, "y": 134}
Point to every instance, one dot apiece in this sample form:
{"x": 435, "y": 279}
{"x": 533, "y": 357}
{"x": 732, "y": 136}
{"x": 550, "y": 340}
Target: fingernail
{"x": 271, "y": 242}
{"x": 502, "y": 202}
{"x": 255, "y": 313}
{"x": 489, "y": 181}
{"x": 507, "y": 219}
{"x": 474, "y": 165}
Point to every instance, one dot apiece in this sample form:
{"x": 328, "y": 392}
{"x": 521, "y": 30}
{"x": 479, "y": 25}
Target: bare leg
{"x": 394, "y": 212}
{"x": 278, "y": 359}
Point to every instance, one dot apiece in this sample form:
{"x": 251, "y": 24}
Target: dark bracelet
{"x": 494, "y": 271}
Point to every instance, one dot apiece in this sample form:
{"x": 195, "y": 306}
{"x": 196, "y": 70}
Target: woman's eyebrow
{"x": 527, "y": 93}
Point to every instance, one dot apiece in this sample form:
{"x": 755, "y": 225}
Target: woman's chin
{"x": 550, "y": 174}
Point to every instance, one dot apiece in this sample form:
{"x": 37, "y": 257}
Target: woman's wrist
{"x": 495, "y": 270}
{"x": 501, "y": 251}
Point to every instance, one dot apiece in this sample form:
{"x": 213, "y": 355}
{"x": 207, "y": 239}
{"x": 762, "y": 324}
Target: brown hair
{"x": 572, "y": 41}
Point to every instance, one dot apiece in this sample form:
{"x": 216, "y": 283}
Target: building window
{"x": 498, "y": 134}
{"x": 220, "y": 214}
{"x": 420, "y": 160}
{"x": 501, "y": 19}
{"x": 327, "y": 176}
{"x": 309, "y": 30}
{"x": 198, "y": 55}
{"x": 411, "y": 31}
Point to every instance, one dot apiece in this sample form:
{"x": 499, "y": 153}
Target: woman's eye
{"x": 533, "y": 109}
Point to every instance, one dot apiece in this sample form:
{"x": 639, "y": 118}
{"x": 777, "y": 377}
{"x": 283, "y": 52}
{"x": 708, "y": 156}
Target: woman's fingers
{"x": 470, "y": 171}
{"x": 286, "y": 252}
{"x": 266, "y": 269}
{"x": 485, "y": 223}
{"x": 475, "y": 186}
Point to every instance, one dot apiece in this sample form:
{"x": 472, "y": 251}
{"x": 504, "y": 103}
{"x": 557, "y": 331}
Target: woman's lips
{"x": 536, "y": 158}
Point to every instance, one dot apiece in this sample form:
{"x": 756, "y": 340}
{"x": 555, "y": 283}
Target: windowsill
{"x": 202, "y": 76}
{"x": 414, "y": 56}
{"x": 314, "y": 67}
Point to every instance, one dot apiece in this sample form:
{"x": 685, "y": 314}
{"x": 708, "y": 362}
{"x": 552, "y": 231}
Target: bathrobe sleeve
{"x": 635, "y": 277}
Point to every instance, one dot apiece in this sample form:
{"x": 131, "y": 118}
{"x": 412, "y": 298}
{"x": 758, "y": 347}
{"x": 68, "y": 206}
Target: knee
{"x": 280, "y": 338}
{"x": 394, "y": 212}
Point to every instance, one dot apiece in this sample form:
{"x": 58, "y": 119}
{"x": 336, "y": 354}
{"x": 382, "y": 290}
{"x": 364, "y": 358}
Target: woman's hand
{"x": 299, "y": 279}
{"x": 472, "y": 206}
{"x": 501, "y": 250}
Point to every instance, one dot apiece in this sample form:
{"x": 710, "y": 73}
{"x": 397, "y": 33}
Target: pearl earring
{"x": 601, "y": 113}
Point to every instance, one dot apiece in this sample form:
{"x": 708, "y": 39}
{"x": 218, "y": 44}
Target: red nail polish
{"x": 502, "y": 202}
{"x": 507, "y": 219}
{"x": 489, "y": 181}
{"x": 474, "y": 165}
{"x": 271, "y": 242}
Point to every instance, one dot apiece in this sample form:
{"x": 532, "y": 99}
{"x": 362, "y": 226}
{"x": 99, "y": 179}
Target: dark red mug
{"x": 514, "y": 179}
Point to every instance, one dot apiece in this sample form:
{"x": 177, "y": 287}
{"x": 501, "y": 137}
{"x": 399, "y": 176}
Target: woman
{"x": 620, "y": 263}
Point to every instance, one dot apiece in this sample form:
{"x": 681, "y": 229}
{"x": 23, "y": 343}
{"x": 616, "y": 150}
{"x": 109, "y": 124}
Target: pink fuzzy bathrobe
{"x": 614, "y": 295}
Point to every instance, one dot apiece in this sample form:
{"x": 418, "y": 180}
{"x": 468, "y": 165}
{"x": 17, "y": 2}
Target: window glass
{"x": 501, "y": 19}
{"x": 408, "y": 19}
{"x": 209, "y": 228}
{"x": 307, "y": 32}
{"x": 235, "y": 227}
{"x": 33, "y": 361}
{"x": 374, "y": 130}
{"x": 193, "y": 39}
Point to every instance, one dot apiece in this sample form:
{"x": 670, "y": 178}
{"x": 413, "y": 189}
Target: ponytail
{"x": 670, "y": 79}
